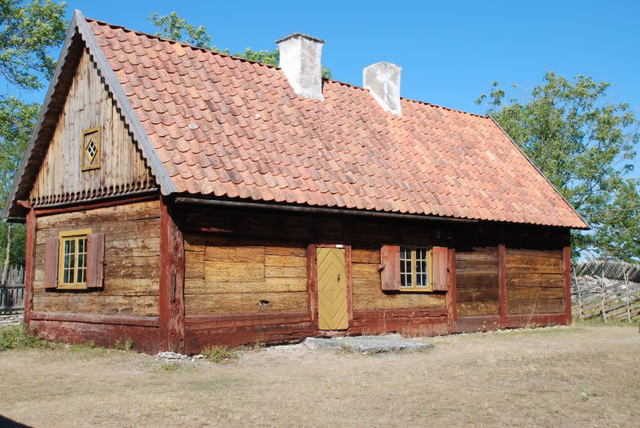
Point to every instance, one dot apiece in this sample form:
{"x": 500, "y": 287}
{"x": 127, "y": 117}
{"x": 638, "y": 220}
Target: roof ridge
{"x": 483, "y": 116}
{"x": 351, "y": 85}
{"x": 183, "y": 44}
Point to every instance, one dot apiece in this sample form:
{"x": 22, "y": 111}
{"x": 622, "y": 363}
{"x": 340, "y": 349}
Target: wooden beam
{"x": 206, "y": 322}
{"x": 451, "y": 296}
{"x": 29, "y": 268}
{"x": 566, "y": 253}
{"x": 502, "y": 282}
{"x": 96, "y": 318}
{"x": 347, "y": 256}
{"x": 171, "y": 305}
{"x": 312, "y": 283}
{"x": 80, "y": 206}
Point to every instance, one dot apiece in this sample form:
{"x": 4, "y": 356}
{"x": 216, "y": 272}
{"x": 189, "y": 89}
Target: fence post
{"x": 575, "y": 277}
{"x": 604, "y": 295}
{"x": 626, "y": 286}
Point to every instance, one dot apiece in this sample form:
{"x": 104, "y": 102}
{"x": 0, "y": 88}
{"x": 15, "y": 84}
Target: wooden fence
{"x": 606, "y": 290}
{"x": 12, "y": 290}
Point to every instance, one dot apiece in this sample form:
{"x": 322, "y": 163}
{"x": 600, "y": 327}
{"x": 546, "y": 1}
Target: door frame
{"x": 312, "y": 283}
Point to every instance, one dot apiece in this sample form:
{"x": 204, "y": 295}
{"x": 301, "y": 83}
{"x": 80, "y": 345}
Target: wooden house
{"x": 181, "y": 198}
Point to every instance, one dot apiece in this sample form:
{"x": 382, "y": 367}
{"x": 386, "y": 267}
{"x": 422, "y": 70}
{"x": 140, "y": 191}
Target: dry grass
{"x": 580, "y": 376}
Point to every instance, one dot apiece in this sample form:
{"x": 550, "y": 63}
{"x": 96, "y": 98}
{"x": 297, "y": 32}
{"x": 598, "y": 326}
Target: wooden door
{"x": 333, "y": 310}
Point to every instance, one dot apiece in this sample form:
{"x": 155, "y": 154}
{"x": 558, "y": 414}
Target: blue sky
{"x": 450, "y": 52}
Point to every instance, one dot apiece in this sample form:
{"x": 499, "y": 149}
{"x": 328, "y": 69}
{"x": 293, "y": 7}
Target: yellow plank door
{"x": 333, "y": 313}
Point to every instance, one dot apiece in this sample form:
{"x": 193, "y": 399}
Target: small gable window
{"x": 91, "y": 149}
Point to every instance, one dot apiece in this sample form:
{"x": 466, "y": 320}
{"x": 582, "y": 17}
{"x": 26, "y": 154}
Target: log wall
{"x": 535, "y": 282}
{"x": 123, "y": 170}
{"x": 477, "y": 279}
{"x": 225, "y": 275}
{"x": 132, "y": 261}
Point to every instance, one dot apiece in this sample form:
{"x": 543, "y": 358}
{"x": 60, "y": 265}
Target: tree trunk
{"x": 7, "y": 254}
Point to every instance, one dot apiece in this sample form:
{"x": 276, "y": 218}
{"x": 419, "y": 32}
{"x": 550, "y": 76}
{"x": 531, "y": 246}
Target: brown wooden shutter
{"x": 95, "y": 260}
{"x": 390, "y": 267}
{"x": 51, "y": 251}
{"x": 440, "y": 268}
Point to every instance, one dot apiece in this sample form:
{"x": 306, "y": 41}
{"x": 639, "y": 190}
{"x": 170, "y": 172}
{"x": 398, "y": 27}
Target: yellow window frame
{"x": 76, "y": 236}
{"x": 414, "y": 276}
{"x": 95, "y": 162}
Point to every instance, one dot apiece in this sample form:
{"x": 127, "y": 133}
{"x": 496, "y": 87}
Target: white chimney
{"x": 300, "y": 60}
{"x": 383, "y": 81}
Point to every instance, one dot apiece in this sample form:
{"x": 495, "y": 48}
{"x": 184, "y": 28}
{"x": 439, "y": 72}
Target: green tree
{"x": 28, "y": 34}
{"x": 174, "y": 27}
{"x": 586, "y": 146}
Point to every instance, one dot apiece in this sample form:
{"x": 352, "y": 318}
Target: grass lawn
{"x": 576, "y": 376}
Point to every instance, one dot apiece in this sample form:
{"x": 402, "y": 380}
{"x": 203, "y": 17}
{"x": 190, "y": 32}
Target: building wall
{"x": 477, "y": 281}
{"x": 132, "y": 261}
{"x": 535, "y": 283}
{"x": 226, "y": 275}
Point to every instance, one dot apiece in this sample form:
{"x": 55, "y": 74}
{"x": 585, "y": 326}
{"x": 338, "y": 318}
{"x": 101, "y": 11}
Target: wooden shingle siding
{"x": 535, "y": 282}
{"x": 122, "y": 170}
{"x": 367, "y": 291}
{"x": 235, "y": 276}
{"x": 477, "y": 281}
{"x": 131, "y": 254}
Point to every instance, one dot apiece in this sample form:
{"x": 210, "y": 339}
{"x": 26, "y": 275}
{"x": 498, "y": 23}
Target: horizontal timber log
{"x": 197, "y": 339}
{"x": 199, "y": 322}
{"x": 487, "y": 323}
{"x": 144, "y": 338}
{"x": 96, "y": 318}
{"x": 409, "y": 322}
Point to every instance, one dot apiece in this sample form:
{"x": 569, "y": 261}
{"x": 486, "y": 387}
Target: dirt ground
{"x": 578, "y": 376}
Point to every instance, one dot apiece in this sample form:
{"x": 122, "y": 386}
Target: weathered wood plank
{"x": 245, "y": 303}
{"x": 122, "y": 170}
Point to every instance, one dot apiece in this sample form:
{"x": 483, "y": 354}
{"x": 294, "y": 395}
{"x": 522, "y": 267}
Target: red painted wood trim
{"x": 144, "y": 338}
{"x": 347, "y": 256}
{"x": 567, "y": 282}
{"x": 95, "y": 205}
{"x": 312, "y": 282}
{"x": 502, "y": 282}
{"x": 171, "y": 280}
{"x": 29, "y": 265}
{"x": 96, "y": 318}
{"x": 451, "y": 298}
{"x": 478, "y": 323}
{"x": 494, "y": 322}
{"x": 196, "y": 322}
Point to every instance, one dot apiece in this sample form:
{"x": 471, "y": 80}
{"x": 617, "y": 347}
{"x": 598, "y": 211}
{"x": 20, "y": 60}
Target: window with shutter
{"x": 440, "y": 268}
{"x": 72, "y": 259}
{"x": 51, "y": 263}
{"x": 414, "y": 269}
{"x": 95, "y": 260}
{"x": 390, "y": 267}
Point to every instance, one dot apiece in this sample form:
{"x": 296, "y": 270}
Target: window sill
{"x": 416, "y": 290}
{"x": 71, "y": 287}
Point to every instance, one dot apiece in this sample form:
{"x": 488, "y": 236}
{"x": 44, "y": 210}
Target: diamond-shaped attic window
{"x": 91, "y": 150}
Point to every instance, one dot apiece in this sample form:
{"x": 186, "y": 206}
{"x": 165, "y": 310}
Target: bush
{"x": 19, "y": 336}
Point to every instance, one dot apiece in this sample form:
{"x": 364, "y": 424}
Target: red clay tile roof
{"x": 227, "y": 127}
